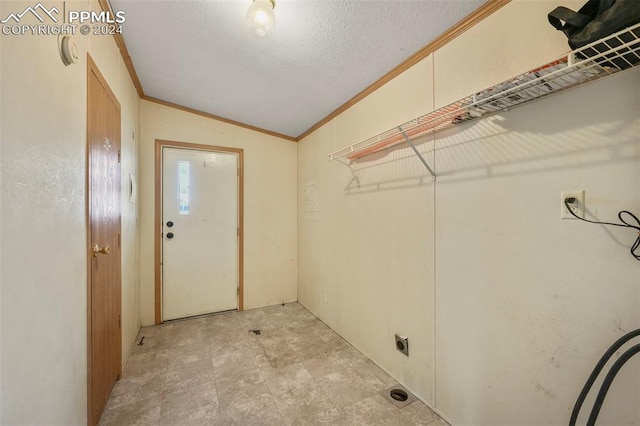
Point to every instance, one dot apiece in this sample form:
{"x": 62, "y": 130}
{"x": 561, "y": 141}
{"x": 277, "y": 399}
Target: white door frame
{"x": 158, "y": 216}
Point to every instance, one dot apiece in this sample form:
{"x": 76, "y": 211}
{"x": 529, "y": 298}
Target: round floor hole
{"x": 399, "y": 395}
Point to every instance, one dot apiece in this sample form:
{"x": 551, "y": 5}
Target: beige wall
{"x": 270, "y": 245}
{"x": 1, "y": 233}
{"x": 370, "y": 254}
{"x": 506, "y": 306}
{"x": 43, "y": 246}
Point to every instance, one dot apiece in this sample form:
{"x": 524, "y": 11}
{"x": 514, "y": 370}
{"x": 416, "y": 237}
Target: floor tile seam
{"x": 322, "y": 390}
{"x": 145, "y": 379}
{"x": 268, "y": 386}
{"x": 275, "y": 401}
{"x": 264, "y": 352}
{"x": 164, "y": 387}
{"x": 216, "y": 402}
{"x": 225, "y": 412}
{"x": 368, "y": 394}
{"x": 151, "y": 378}
{"x": 215, "y": 382}
{"x": 119, "y": 408}
{"x": 324, "y": 393}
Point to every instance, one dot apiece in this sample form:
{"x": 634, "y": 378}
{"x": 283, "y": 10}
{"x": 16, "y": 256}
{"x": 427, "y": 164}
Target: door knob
{"x": 170, "y": 235}
{"x": 100, "y": 250}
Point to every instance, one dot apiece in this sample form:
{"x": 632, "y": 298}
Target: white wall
{"x": 370, "y": 254}
{"x": 1, "y": 162}
{"x": 270, "y": 234}
{"x": 43, "y": 247}
{"x": 507, "y": 307}
{"x": 527, "y": 301}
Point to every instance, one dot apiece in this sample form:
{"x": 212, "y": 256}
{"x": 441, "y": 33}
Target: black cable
{"x": 608, "y": 380}
{"x": 596, "y": 371}
{"x": 624, "y": 224}
{"x": 619, "y": 343}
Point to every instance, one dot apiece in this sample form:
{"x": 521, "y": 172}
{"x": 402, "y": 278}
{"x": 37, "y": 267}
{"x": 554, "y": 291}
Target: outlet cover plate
{"x": 579, "y": 205}
{"x": 402, "y": 344}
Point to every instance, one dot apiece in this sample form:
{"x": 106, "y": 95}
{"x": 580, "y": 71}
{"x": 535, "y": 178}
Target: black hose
{"x": 623, "y": 224}
{"x": 596, "y": 371}
{"x": 608, "y": 380}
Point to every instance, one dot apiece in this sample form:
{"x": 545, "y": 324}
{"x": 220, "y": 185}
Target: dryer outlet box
{"x": 402, "y": 344}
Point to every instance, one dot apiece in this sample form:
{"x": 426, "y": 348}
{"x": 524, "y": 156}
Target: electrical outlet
{"x": 577, "y": 206}
{"x": 402, "y": 344}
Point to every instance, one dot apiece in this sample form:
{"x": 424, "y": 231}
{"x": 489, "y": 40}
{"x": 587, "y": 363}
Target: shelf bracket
{"x": 341, "y": 161}
{"x": 406, "y": 138}
{"x": 354, "y": 177}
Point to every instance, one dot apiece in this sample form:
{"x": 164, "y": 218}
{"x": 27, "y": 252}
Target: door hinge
{"x": 119, "y": 156}
{"x": 119, "y": 240}
{"x": 119, "y": 321}
{"x": 238, "y": 232}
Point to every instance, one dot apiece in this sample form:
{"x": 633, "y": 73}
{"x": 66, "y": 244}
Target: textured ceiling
{"x": 202, "y": 54}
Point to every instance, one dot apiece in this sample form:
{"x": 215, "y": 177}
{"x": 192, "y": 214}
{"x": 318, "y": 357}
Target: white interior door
{"x": 200, "y": 232}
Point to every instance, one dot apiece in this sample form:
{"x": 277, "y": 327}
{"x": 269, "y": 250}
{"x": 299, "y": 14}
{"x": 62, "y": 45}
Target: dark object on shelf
{"x": 595, "y": 20}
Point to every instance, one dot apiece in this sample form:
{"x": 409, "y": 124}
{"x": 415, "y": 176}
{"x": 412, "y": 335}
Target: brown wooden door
{"x": 104, "y": 330}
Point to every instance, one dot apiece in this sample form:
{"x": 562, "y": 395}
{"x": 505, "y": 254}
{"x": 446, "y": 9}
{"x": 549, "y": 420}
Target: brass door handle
{"x": 98, "y": 250}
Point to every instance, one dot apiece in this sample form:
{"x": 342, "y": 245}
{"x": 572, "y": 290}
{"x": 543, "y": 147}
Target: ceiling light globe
{"x": 261, "y": 18}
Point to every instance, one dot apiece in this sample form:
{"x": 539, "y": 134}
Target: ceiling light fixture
{"x": 261, "y": 18}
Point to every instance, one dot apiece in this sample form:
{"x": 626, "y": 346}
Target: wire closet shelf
{"x": 607, "y": 56}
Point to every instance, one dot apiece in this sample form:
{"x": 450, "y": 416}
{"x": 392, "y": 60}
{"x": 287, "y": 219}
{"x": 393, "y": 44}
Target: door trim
{"x": 157, "y": 223}
{"x": 92, "y": 68}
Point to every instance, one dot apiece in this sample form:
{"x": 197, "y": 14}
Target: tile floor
{"x": 214, "y": 371}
